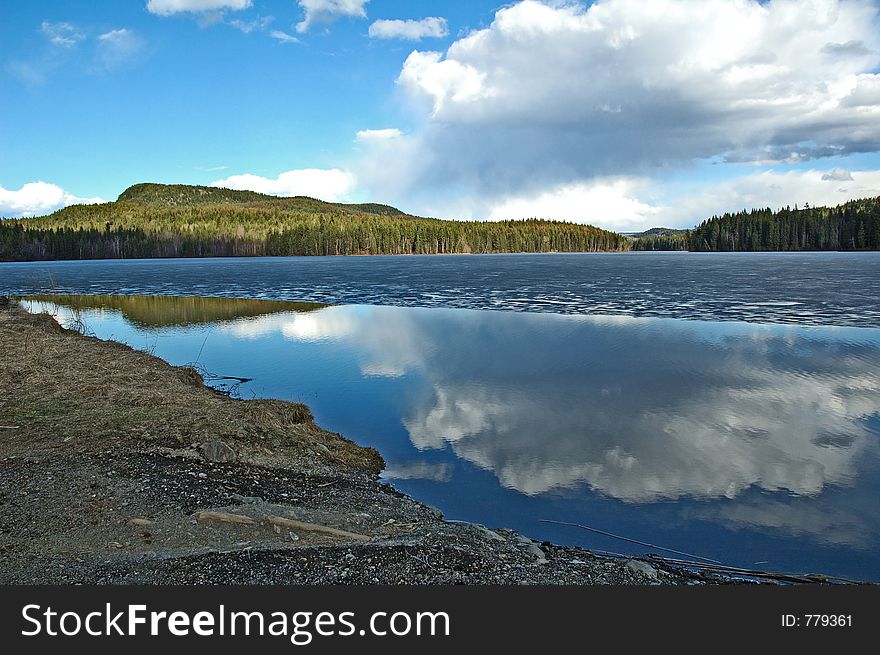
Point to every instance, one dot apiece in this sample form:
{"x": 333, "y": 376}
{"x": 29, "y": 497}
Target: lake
{"x": 795, "y": 288}
{"x": 749, "y": 436}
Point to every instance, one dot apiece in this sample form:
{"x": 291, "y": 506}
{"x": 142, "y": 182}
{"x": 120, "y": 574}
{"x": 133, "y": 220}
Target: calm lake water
{"x": 753, "y": 444}
{"x": 794, "y": 288}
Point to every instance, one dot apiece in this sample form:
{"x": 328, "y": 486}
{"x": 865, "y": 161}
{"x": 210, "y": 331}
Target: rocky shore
{"x": 118, "y": 468}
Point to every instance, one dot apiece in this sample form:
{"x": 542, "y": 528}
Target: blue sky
{"x": 608, "y": 113}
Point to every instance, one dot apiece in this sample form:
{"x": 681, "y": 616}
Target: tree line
{"x": 256, "y": 227}
{"x": 153, "y": 220}
{"x": 659, "y": 242}
{"x": 854, "y": 225}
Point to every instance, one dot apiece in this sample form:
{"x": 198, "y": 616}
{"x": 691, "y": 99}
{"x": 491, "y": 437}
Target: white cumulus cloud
{"x": 169, "y": 7}
{"x": 331, "y": 185}
{"x": 553, "y": 96}
{"x": 327, "y": 11}
{"x": 410, "y": 30}
{"x": 838, "y": 175}
{"x": 611, "y": 203}
{"x": 37, "y": 198}
{"x": 444, "y": 80}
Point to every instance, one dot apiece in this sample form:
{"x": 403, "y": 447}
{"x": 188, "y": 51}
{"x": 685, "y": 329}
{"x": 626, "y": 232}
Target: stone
{"x": 540, "y": 555}
{"x": 490, "y": 534}
{"x": 217, "y": 452}
{"x": 140, "y": 522}
{"x": 638, "y": 566}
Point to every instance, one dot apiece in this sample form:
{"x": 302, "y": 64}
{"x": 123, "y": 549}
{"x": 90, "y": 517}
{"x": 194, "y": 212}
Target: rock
{"x": 140, "y": 522}
{"x": 217, "y": 452}
{"x": 494, "y": 536}
{"x": 540, "y": 555}
{"x": 638, "y": 566}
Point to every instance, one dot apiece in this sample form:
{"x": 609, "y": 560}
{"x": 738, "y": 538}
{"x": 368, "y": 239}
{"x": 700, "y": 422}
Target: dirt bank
{"x": 116, "y": 467}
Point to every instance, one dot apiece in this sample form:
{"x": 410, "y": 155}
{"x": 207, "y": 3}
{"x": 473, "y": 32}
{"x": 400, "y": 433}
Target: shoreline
{"x": 118, "y": 468}
{"x": 356, "y": 255}
{"x": 409, "y": 255}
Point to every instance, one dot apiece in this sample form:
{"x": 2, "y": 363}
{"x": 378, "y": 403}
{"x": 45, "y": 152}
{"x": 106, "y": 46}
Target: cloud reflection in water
{"x": 638, "y": 409}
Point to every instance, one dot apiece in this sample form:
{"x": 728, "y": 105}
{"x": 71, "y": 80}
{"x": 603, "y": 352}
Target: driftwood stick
{"x": 314, "y": 527}
{"x": 224, "y": 517}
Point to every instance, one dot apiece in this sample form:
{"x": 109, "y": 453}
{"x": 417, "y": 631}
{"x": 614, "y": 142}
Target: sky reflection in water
{"x": 751, "y": 444}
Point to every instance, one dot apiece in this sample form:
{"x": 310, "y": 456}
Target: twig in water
{"x": 227, "y": 377}
{"x": 632, "y": 541}
{"x": 208, "y": 334}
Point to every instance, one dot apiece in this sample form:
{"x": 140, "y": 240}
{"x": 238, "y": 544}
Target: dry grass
{"x": 62, "y": 389}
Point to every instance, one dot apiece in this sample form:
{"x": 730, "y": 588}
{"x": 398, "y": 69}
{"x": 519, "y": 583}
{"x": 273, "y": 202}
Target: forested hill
{"x": 854, "y": 225}
{"x": 155, "y": 220}
{"x": 851, "y": 226}
{"x": 185, "y": 195}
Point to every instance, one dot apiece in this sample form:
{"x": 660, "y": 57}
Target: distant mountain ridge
{"x": 180, "y": 195}
{"x": 655, "y": 232}
{"x": 187, "y": 195}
